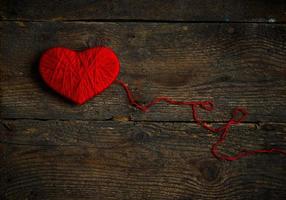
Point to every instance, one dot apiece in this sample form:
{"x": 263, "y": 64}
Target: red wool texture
{"x": 79, "y": 76}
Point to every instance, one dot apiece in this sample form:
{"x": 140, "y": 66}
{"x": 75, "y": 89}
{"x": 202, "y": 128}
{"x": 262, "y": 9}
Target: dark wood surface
{"x": 166, "y": 10}
{"x": 231, "y": 52}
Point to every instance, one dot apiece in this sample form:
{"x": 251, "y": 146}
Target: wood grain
{"x": 160, "y": 10}
{"x": 232, "y": 52}
{"x": 232, "y": 64}
{"x": 76, "y": 159}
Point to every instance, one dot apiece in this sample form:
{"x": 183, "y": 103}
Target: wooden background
{"x": 232, "y": 52}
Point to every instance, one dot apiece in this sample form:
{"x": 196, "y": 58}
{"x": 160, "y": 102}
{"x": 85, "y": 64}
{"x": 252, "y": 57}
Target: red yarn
{"x": 206, "y": 105}
{"x": 79, "y": 76}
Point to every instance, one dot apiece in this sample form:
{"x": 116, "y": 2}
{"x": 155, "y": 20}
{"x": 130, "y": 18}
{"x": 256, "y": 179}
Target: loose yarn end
{"x": 223, "y": 131}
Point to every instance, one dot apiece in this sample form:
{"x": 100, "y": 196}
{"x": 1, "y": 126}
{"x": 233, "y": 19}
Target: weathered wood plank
{"x": 232, "y": 64}
{"x": 123, "y": 160}
{"x": 179, "y": 10}
{"x": 94, "y": 133}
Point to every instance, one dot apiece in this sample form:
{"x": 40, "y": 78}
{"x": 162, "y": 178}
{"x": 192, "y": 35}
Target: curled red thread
{"x": 208, "y": 106}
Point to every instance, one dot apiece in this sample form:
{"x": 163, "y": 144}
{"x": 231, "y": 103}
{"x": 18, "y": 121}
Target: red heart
{"x": 79, "y": 76}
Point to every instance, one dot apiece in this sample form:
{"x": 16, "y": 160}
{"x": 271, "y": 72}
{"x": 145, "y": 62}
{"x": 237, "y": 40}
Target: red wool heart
{"x": 79, "y": 76}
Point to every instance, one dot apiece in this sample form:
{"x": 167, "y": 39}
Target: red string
{"x": 208, "y": 106}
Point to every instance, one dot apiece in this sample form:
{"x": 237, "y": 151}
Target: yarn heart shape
{"x": 79, "y": 76}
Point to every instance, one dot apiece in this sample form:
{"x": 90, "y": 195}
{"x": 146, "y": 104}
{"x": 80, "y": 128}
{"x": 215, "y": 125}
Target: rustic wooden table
{"x": 232, "y": 52}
